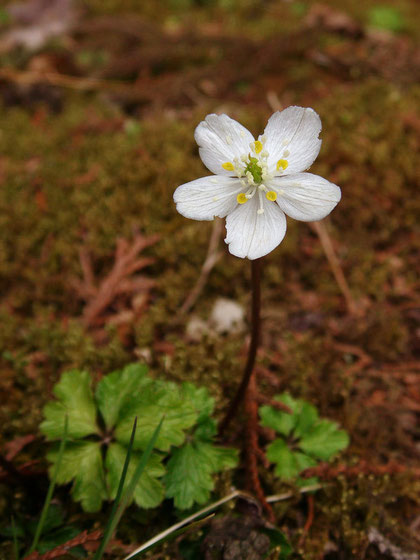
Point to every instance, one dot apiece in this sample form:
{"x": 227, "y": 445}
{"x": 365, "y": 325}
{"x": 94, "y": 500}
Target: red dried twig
{"x": 15, "y": 446}
{"x": 118, "y": 282}
{"x": 310, "y": 518}
{"x": 8, "y": 471}
{"x": 61, "y": 550}
{"x": 252, "y": 449}
{"x": 325, "y": 471}
{"x": 363, "y": 361}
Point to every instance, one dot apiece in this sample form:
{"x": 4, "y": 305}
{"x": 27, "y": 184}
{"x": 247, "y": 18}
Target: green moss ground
{"x": 103, "y": 167}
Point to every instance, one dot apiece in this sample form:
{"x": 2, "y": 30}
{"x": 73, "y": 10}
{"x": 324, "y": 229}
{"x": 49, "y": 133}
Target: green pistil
{"x": 253, "y": 167}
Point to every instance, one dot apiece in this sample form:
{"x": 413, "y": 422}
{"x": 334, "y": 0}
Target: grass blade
{"x": 126, "y": 497}
{"x": 171, "y": 531}
{"x": 110, "y": 525}
{"x": 51, "y": 488}
{"x": 139, "y": 469}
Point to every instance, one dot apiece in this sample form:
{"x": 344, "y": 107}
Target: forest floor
{"x": 96, "y": 132}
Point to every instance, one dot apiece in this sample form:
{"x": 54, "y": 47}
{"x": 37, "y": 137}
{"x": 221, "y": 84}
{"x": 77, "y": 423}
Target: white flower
{"x": 257, "y": 182}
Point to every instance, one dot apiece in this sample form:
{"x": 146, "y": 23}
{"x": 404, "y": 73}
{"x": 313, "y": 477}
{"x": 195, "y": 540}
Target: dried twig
{"x": 117, "y": 282}
{"x": 309, "y": 519}
{"x": 364, "y": 359}
{"x": 15, "y": 446}
{"x": 71, "y": 82}
{"x": 335, "y": 265}
{"x": 325, "y": 471}
{"x": 252, "y": 449}
{"x": 213, "y": 255}
{"x": 62, "y": 549}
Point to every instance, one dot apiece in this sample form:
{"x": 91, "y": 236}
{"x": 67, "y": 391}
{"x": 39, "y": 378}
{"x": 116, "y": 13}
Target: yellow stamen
{"x": 242, "y": 198}
{"x": 228, "y": 166}
{"x": 271, "y": 195}
{"x": 282, "y": 164}
{"x": 258, "y": 146}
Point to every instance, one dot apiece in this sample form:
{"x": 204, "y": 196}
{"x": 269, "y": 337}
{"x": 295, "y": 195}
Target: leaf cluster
{"x": 184, "y": 457}
{"x": 305, "y": 439}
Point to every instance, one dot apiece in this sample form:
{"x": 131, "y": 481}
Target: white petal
{"x": 292, "y": 135}
{"x": 253, "y": 235}
{"x": 305, "y": 196}
{"x": 205, "y": 198}
{"x": 221, "y": 139}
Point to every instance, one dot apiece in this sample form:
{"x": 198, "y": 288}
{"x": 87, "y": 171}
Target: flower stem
{"x": 253, "y": 347}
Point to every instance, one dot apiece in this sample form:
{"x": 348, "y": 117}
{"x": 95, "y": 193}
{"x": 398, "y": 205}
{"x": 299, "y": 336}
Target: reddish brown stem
{"x": 253, "y": 347}
{"x": 252, "y": 449}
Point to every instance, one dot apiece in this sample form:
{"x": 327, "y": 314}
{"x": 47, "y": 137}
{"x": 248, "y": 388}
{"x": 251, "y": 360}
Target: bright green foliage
{"x": 189, "y": 477}
{"x": 149, "y": 404}
{"x": 190, "y": 469}
{"x": 74, "y": 399}
{"x": 386, "y": 17}
{"x": 306, "y": 439}
{"x": 115, "y": 389}
{"x": 82, "y": 463}
{"x": 94, "y": 465}
{"x": 324, "y": 440}
{"x": 149, "y": 491}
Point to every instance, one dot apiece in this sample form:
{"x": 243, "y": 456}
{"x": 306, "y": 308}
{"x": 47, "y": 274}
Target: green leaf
{"x": 155, "y": 401}
{"x": 386, "y": 17}
{"x": 82, "y": 464}
{"x": 324, "y": 441}
{"x": 126, "y": 497}
{"x": 279, "y": 453}
{"x": 75, "y": 401}
{"x": 306, "y": 417}
{"x": 200, "y": 399}
{"x": 116, "y": 390}
{"x": 206, "y": 429}
{"x": 278, "y": 539}
{"x": 218, "y": 458}
{"x": 304, "y": 461}
{"x": 5, "y": 17}
{"x": 303, "y": 416}
{"x": 113, "y": 518}
{"x": 149, "y": 491}
{"x": 188, "y": 477}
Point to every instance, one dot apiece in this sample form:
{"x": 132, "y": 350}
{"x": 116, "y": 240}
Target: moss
{"x": 93, "y": 173}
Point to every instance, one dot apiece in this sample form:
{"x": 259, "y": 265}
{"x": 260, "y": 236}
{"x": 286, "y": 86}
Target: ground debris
{"x": 118, "y": 284}
{"x": 385, "y": 546}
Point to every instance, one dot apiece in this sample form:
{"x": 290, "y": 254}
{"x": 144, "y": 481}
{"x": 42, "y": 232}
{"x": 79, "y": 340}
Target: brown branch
{"x": 252, "y": 449}
{"x": 335, "y": 265}
{"x": 309, "y": 520}
{"x": 29, "y": 77}
{"x": 213, "y": 255}
{"x": 62, "y": 549}
{"x": 325, "y": 471}
{"x": 117, "y": 282}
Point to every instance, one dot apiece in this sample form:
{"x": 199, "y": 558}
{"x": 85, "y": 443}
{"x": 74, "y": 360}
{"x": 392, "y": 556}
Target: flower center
{"x": 252, "y": 172}
{"x": 253, "y": 166}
